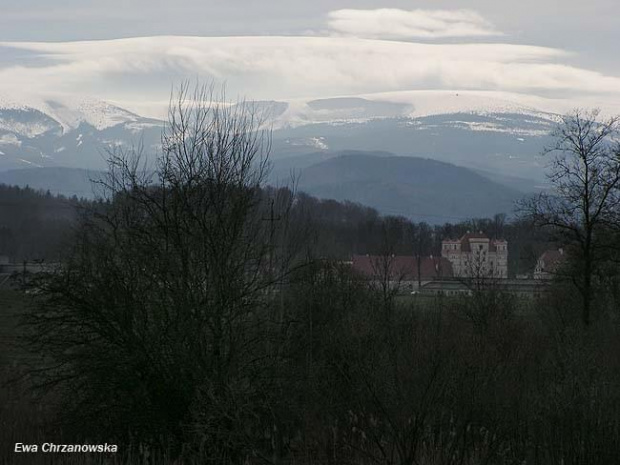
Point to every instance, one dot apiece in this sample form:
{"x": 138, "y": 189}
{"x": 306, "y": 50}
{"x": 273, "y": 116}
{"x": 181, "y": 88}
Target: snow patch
{"x": 316, "y": 142}
{"x": 30, "y": 163}
{"x": 10, "y": 139}
{"x": 138, "y": 126}
{"x": 30, "y": 129}
{"x": 494, "y": 127}
{"x": 70, "y": 111}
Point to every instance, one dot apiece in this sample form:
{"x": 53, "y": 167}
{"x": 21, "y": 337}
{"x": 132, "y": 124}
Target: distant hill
{"x": 33, "y": 225}
{"x": 284, "y": 169}
{"x": 418, "y": 188}
{"x": 507, "y": 144}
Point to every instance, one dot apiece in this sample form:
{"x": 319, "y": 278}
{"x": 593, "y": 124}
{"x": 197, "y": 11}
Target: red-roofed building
{"x": 549, "y": 263}
{"x": 401, "y": 271}
{"x": 475, "y": 255}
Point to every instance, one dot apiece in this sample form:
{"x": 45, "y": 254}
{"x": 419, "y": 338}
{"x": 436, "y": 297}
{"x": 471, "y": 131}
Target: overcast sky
{"x": 338, "y": 47}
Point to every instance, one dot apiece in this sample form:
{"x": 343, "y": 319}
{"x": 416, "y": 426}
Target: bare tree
{"x": 164, "y": 317}
{"x": 389, "y": 272}
{"x": 583, "y": 203}
{"x": 422, "y": 243}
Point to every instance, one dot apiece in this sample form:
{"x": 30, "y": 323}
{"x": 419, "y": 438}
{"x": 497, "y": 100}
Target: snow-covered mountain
{"x": 495, "y": 133}
{"x": 495, "y": 136}
{"x": 414, "y": 104}
{"x": 65, "y": 131}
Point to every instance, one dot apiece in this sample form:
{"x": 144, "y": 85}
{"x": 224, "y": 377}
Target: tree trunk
{"x": 419, "y": 272}
{"x": 587, "y": 292}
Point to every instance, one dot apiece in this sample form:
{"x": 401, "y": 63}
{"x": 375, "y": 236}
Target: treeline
{"x": 34, "y": 225}
{"x": 37, "y": 225}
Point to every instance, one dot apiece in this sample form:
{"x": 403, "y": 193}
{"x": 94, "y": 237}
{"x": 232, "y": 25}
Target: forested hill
{"x": 33, "y": 224}
{"x": 417, "y": 188}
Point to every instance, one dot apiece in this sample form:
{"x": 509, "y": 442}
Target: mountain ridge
{"x": 62, "y": 131}
{"x": 418, "y": 188}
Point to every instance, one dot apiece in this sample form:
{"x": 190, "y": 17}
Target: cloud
{"x": 390, "y": 23}
{"x": 294, "y": 67}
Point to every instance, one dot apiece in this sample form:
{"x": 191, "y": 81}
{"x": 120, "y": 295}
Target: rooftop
{"x": 476, "y": 237}
{"x": 402, "y": 267}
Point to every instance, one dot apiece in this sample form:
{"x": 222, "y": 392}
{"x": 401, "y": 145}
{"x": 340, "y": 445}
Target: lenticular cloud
{"x": 295, "y": 67}
{"x": 393, "y": 23}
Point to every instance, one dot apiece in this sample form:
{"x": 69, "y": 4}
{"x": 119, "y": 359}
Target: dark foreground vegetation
{"x": 338, "y": 375}
{"x": 199, "y": 317}
{"x": 34, "y": 225}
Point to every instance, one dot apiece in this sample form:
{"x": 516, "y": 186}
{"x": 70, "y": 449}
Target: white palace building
{"x": 475, "y": 255}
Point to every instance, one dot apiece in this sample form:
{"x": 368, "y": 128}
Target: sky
{"x": 133, "y": 52}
